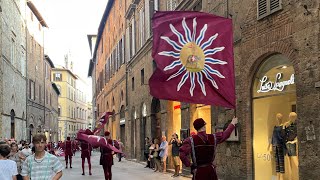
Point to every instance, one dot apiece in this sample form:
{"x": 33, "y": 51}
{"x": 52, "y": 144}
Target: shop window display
{"x": 274, "y": 121}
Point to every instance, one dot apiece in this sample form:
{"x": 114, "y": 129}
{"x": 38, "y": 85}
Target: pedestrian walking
{"x": 8, "y": 168}
{"x": 146, "y": 151}
{"x": 86, "y": 153}
{"x": 175, "y": 142}
{"x": 121, "y": 148}
{"x": 151, "y": 151}
{"x": 17, "y": 157}
{"x": 156, "y": 157}
{"x": 163, "y": 153}
{"x": 106, "y": 158}
{"x": 68, "y": 146}
{"x": 202, "y": 148}
{"x": 41, "y": 165}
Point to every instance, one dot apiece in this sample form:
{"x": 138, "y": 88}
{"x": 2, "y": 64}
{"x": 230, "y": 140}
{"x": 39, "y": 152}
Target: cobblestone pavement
{"x": 121, "y": 170}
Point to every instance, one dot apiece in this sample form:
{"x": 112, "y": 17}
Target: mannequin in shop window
{"x": 278, "y": 146}
{"x": 292, "y": 146}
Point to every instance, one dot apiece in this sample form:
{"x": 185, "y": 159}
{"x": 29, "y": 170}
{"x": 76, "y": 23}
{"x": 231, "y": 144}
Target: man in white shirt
{"x": 26, "y": 151}
{"x": 8, "y": 168}
{"x": 164, "y": 152}
{"x": 42, "y": 165}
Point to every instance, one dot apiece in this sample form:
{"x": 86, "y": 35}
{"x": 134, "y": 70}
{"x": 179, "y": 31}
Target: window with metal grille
{"x": 267, "y": 7}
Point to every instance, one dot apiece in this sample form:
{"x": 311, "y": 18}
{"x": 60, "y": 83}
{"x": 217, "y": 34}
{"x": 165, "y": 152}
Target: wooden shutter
{"x": 127, "y": 43}
{"x": 122, "y": 51}
{"x": 262, "y": 8}
{"x": 147, "y": 17}
{"x": 133, "y": 37}
{"x": 275, "y": 5}
{"x": 267, "y": 7}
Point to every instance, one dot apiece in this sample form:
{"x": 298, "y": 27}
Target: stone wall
{"x": 14, "y": 69}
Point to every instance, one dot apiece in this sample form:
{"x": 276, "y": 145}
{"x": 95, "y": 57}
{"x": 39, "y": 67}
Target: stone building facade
{"x": 110, "y": 70}
{"x": 36, "y": 88}
{"x": 275, "y": 43}
{"x": 81, "y": 104}
{"x": 51, "y": 102}
{"x": 13, "y": 70}
{"x": 65, "y": 81}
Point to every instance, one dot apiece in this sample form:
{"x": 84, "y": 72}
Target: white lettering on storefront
{"x": 278, "y": 85}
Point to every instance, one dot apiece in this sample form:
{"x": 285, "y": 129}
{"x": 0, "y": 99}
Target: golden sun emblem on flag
{"x": 193, "y": 57}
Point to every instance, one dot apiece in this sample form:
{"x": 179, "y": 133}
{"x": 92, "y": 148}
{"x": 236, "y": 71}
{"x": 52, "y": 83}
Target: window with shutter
{"x": 147, "y": 18}
{"x": 262, "y": 8}
{"x": 127, "y": 43}
{"x": 275, "y": 5}
{"x": 133, "y": 38}
{"x": 267, "y": 7}
{"x": 141, "y": 28}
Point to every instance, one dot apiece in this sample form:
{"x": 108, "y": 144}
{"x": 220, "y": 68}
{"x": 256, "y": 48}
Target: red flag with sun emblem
{"x": 193, "y": 52}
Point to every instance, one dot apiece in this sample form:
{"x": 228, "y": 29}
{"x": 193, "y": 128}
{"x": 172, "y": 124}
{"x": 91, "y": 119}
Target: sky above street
{"x": 70, "y": 21}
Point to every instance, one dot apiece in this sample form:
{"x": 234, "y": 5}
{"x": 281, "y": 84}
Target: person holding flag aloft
{"x": 202, "y": 148}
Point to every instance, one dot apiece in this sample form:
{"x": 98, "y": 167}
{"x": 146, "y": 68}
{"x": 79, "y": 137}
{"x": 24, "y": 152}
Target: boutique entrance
{"x": 275, "y": 151}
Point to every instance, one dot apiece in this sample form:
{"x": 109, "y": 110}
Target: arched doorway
{"x": 143, "y": 129}
{"x": 155, "y": 118}
{"x": 12, "y": 117}
{"x": 273, "y": 99}
{"x": 132, "y": 133}
{"x": 30, "y": 132}
{"x": 122, "y": 124}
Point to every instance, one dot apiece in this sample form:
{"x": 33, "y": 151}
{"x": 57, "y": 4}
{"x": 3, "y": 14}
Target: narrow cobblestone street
{"x": 121, "y": 170}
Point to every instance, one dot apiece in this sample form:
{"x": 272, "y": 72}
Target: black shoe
{"x": 82, "y": 174}
{"x": 66, "y": 167}
{"x": 90, "y": 173}
{"x": 70, "y": 167}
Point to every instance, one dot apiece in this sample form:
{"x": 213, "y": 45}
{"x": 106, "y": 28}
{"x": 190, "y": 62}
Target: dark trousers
{"x": 66, "y": 157}
{"x": 107, "y": 172}
{"x": 89, "y": 163}
{"x": 119, "y": 156}
{"x": 19, "y": 177}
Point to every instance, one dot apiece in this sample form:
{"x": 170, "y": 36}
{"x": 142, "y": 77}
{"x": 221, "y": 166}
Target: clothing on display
{"x": 291, "y": 149}
{"x": 291, "y": 132}
{"x": 279, "y": 158}
{"x": 278, "y": 143}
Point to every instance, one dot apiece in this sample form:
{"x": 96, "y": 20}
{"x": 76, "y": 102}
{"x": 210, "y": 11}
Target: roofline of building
{"x": 55, "y": 87}
{"x": 63, "y": 69}
{"x": 37, "y": 13}
{"x": 46, "y": 57}
{"x": 90, "y": 36}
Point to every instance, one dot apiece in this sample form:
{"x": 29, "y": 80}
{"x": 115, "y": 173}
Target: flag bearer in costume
{"x": 86, "y": 153}
{"x": 202, "y": 148}
{"x": 106, "y": 158}
{"x": 68, "y": 152}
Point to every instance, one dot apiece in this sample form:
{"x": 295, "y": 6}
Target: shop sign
{"x": 278, "y": 85}
{"x": 176, "y": 107}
